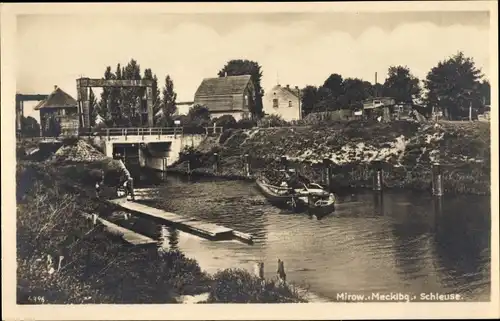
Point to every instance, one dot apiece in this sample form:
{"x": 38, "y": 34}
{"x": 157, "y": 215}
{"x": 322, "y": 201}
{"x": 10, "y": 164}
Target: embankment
{"x": 64, "y": 259}
{"x": 406, "y": 150}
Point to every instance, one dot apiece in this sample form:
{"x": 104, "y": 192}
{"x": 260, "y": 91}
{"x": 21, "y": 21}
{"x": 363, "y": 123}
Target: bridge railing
{"x": 131, "y": 131}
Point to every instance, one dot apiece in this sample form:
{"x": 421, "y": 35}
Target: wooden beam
{"x": 88, "y": 82}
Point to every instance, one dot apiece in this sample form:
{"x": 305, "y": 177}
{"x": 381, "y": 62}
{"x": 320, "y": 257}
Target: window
{"x": 246, "y": 100}
{"x": 289, "y": 103}
{"x": 275, "y": 102}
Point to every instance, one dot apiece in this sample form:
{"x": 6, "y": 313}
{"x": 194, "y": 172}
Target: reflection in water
{"x": 372, "y": 242}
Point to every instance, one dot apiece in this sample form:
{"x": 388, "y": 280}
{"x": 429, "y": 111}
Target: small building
{"x": 379, "y": 107}
{"x": 283, "y": 101}
{"x": 58, "y": 114}
{"x": 229, "y": 95}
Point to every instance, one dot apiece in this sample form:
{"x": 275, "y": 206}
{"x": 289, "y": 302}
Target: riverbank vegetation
{"x": 63, "y": 258}
{"x": 406, "y": 150}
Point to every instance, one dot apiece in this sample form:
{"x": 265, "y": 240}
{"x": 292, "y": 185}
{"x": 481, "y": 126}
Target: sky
{"x": 292, "y": 48}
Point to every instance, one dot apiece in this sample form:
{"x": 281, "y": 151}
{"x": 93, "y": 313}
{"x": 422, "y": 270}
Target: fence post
{"x": 216, "y": 163}
{"x": 378, "y": 177}
{"x": 437, "y": 180}
{"x": 94, "y": 219}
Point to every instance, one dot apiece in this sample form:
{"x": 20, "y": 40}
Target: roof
{"x": 223, "y": 86}
{"x": 57, "y": 99}
{"x": 286, "y": 89}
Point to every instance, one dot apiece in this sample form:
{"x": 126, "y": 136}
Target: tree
{"x": 148, "y": 75}
{"x": 94, "y": 108}
{"x": 401, "y": 85}
{"x": 198, "y": 115}
{"x": 355, "y": 91}
{"x": 309, "y": 99}
{"x": 335, "y": 83}
{"x": 168, "y": 101}
{"x": 247, "y": 67}
{"x": 105, "y": 104}
{"x": 454, "y": 85}
{"x": 30, "y": 127}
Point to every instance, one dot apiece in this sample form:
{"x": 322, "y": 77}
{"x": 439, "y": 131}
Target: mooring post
{"x": 378, "y": 177}
{"x": 189, "y": 167}
{"x": 247, "y": 165}
{"x": 437, "y": 180}
{"x": 259, "y": 270}
{"x": 327, "y": 170}
{"x": 281, "y": 271}
{"x": 216, "y": 163}
{"x": 164, "y": 173}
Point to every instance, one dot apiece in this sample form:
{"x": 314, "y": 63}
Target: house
{"x": 379, "y": 106}
{"x": 228, "y": 95}
{"x": 283, "y": 101}
{"x": 58, "y": 114}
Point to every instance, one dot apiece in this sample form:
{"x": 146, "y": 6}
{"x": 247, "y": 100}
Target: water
{"x": 402, "y": 242}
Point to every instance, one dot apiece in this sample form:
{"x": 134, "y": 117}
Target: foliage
{"x": 239, "y": 67}
{"x": 121, "y": 107}
{"x": 454, "y": 85}
{"x": 168, "y": 106}
{"x": 246, "y": 124}
{"x": 225, "y": 121}
{"x": 309, "y": 99}
{"x": 30, "y": 127}
{"x": 272, "y": 121}
{"x": 401, "y": 85}
{"x": 239, "y": 286}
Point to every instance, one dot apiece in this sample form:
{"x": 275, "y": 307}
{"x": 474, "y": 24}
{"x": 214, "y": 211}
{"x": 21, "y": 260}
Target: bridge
{"x": 150, "y": 147}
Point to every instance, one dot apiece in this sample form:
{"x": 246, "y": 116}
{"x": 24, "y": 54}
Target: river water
{"x": 398, "y": 242}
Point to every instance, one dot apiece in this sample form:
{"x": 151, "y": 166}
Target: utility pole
{"x": 300, "y": 102}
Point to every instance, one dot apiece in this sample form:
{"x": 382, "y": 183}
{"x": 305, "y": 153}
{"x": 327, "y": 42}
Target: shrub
{"x": 225, "y": 121}
{"x": 272, "y": 121}
{"x": 246, "y": 124}
{"x": 70, "y": 140}
{"x": 225, "y": 135}
{"x": 239, "y": 286}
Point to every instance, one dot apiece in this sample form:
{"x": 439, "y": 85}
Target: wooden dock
{"x": 127, "y": 235}
{"x": 204, "y": 229}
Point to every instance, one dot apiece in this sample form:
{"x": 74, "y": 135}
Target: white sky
{"x": 301, "y": 48}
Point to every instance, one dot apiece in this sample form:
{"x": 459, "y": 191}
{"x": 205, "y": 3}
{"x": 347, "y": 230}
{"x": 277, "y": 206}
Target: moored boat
{"x": 300, "y": 195}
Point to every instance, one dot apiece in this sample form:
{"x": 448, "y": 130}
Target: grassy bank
{"x": 62, "y": 258}
{"x": 405, "y": 149}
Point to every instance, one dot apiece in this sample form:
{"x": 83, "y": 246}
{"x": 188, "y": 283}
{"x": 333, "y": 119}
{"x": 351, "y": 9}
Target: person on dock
{"x": 97, "y": 189}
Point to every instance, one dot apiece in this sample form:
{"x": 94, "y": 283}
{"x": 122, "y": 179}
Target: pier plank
{"x": 204, "y": 228}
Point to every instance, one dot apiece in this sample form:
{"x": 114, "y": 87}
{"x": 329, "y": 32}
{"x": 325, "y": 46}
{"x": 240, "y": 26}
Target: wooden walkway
{"x": 204, "y": 229}
{"x": 128, "y": 236}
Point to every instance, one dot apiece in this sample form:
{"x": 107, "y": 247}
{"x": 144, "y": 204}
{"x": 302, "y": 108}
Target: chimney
{"x": 287, "y": 86}
{"x": 55, "y": 87}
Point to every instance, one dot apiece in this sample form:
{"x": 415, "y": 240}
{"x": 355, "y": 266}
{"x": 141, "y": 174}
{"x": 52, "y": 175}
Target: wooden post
{"x": 247, "y": 165}
{"x": 259, "y": 270}
{"x": 378, "y": 177}
{"x": 216, "y": 163}
{"x": 281, "y": 271}
{"x": 189, "y": 167}
{"x": 94, "y": 219}
{"x": 327, "y": 172}
{"x": 437, "y": 180}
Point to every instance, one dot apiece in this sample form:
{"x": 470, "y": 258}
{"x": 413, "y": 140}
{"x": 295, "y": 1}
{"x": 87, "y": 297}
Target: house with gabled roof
{"x": 284, "y": 102}
{"x": 58, "y": 114}
{"x": 228, "y": 95}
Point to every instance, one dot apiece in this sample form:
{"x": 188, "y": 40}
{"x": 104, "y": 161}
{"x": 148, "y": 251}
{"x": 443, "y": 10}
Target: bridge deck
{"x": 205, "y": 229}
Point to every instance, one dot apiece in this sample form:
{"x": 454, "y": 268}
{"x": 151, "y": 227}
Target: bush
{"x": 70, "y": 140}
{"x": 225, "y": 121}
{"x": 246, "y": 124}
{"x": 225, "y": 135}
{"x": 272, "y": 121}
{"x": 239, "y": 286}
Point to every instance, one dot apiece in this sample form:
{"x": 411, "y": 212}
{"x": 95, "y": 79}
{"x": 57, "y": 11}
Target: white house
{"x": 283, "y": 101}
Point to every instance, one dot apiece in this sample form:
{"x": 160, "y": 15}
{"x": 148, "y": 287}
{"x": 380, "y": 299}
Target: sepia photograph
{"x": 300, "y": 155}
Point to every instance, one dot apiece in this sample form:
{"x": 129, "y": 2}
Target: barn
{"x": 228, "y": 95}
